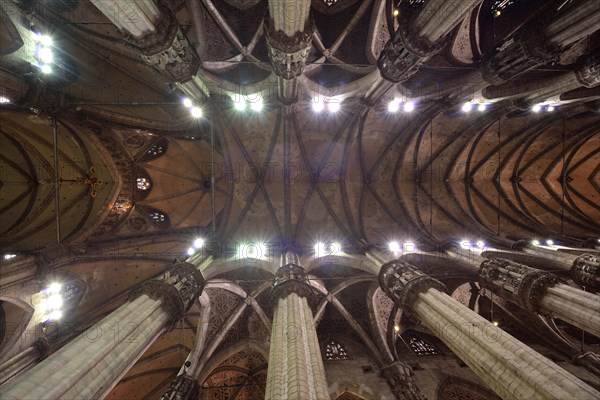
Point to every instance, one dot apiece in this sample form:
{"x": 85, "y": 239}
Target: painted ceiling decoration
{"x": 135, "y": 135}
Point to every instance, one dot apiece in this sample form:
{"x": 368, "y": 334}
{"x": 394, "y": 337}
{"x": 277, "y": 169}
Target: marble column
{"x": 541, "y": 41}
{"x": 296, "y": 369}
{"x": 288, "y": 30}
{"x": 151, "y": 28}
{"x": 541, "y": 292}
{"x": 507, "y": 366}
{"x": 25, "y": 359}
{"x": 183, "y": 387}
{"x": 93, "y": 363}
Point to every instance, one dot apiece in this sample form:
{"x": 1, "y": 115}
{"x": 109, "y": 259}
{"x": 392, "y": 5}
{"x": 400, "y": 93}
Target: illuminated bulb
{"x": 239, "y": 105}
{"x": 187, "y": 103}
{"x": 396, "y": 13}
{"x": 480, "y": 244}
{"x": 196, "y": 112}
{"x": 394, "y": 106}
{"x": 549, "y": 242}
{"x": 396, "y": 328}
{"x": 4, "y": 100}
{"x": 198, "y": 243}
{"x": 535, "y": 242}
{"x": 54, "y": 302}
{"x": 495, "y": 323}
{"x": 408, "y": 107}
{"x": 481, "y": 107}
{"x": 465, "y": 244}
{"x": 550, "y": 108}
{"x": 56, "y": 315}
{"x": 256, "y": 105}
{"x": 253, "y": 250}
{"x": 467, "y": 106}
{"x": 536, "y": 108}
{"x": 46, "y": 69}
{"x": 394, "y": 246}
{"x": 45, "y": 55}
{"x": 9, "y": 256}
{"x": 498, "y": 13}
{"x": 191, "y": 251}
{"x": 45, "y": 40}
{"x": 409, "y": 247}
{"x": 54, "y": 287}
{"x": 318, "y": 106}
{"x": 334, "y": 106}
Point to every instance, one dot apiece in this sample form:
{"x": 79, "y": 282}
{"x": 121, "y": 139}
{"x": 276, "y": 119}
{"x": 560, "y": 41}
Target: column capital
{"x": 586, "y": 271}
{"x": 589, "y": 72}
{"x": 399, "y": 376}
{"x": 290, "y": 278}
{"x": 402, "y": 282}
{"x": 177, "y": 288}
{"x": 183, "y": 387}
{"x": 288, "y": 53}
{"x": 516, "y": 282}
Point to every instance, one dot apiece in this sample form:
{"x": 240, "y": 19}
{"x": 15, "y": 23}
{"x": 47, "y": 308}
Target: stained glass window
{"x": 335, "y": 351}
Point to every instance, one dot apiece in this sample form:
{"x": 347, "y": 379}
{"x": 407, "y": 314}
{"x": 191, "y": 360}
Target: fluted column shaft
{"x": 296, "y": 370}
{"x": 541, "y": 292}
{"x": 90, "y": 365}
{"x": 509, "y": 367}
{"x": 541, "y": 41}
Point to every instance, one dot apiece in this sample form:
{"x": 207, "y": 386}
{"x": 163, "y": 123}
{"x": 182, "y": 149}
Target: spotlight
{"x": 45, "y": 40}
{"x": 410, "y": 247}
{"x": 465, "y": 244}
{"x": 9, "y": 256}
{"x": 54, "y": 287}
{"x": 550, "y": 108}
{"x": 481, "y": 244}
{"x": 396, "y": 328}
{"x": 45, "y": 55}
{"x": 495, "y": 323}
{"x": 187, "y": 103}
{"x": 191, "y": 251}
{"x": 535, "y": 242}
{"x": 468, "y": 106}
{"x": 481, "y": 107}
{"x": 393, "y": 106}
{"x": 318, "y": 106}
{"x": 4, "y": 100}
{"x": 536, "y": 108}
{"x": 46, "y": 69}
{"x": 198, "y": 243}
{"x": 196, "y": 112}
{"x": 396, "y": 12}
{"x": 56, "y": 315}
{"x": 549, "y": 242}
{"x": 240, "y": 104}
{"x": 408, "y": 107}
{"x": 394, "y": 246}
{"x": 498, "y": 13}
{"x": 256, "y": 105}
{"x": 334, "y": 105}
{"x": 54, "y": 302}
{"x": 257, "y": 251}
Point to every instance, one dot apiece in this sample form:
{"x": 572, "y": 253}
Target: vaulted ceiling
{"x": 285, "y": 174}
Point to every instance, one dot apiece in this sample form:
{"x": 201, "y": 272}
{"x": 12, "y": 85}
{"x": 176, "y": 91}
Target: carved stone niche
{"x": 403, "y": 282}
{"x": 288, "y": 54}
{"x": 404, "y": 54}
{"x": 177, "y": 288}
{"x": 167, "y": 48}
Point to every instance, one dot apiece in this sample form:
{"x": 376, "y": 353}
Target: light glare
{"x": 239, "y": 105}
{"x": 410, "y": 247}
{"x": 196, "y": 112}
{"x": 46, "y": 69}
{"x": 394, "y": 246}
{"x": 481, "y": 107}
{"x": 198, "y": 243}
{"x": 187, "y": 103}
{"x": 536, "y": 108}
{"x": 549, "y": 242}
{"x": 334, "y": 105}
{"x": 257, "y": 105}
{"x": 191, "y": 251}
{"x": 4, "y": 100}
{"x": 54, "y": 287}
{"x": 394, "y": 106}
{"x": 408, "y": 107}
{"x": 468, "y": 106}
{"x": 535, "y": 242}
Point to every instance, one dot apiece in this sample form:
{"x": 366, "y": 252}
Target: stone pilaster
{"x": 183, "y": 387}
{"x": 296, "y": 370}
{"x": 93, "y": 363}
{"x": 20, "y": 362}
{"x": 507, "y": 366}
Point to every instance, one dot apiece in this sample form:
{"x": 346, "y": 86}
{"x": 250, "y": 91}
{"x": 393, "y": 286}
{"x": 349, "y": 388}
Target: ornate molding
{"x": 288, "y": 54}
{"x": 290, "y": 278}
{"x": 516, "y": 282}
{"x": 399, "y": 376}
{"x": 586, "y": 271}
{"x": 177, "y": 289}
{"x": 403, "y": 282}
{"x": 589, "y": 73}
{"x": 183, "y": 387}
{"x": 42, "y": 345}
